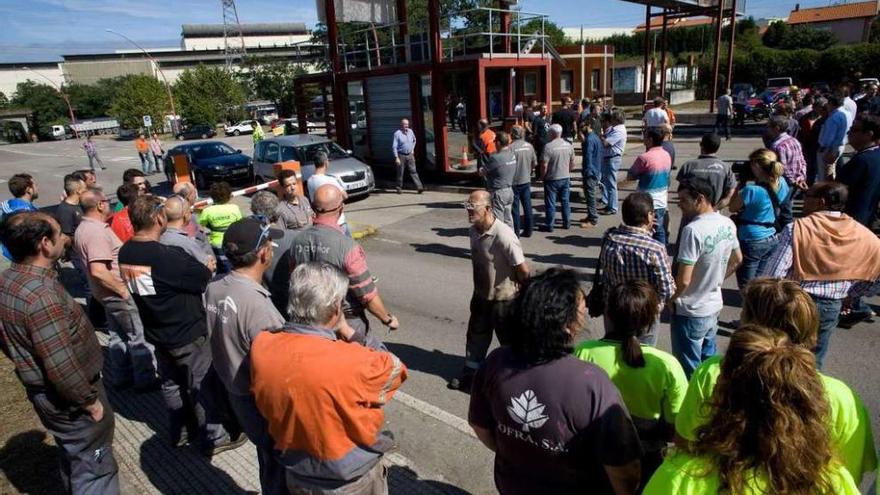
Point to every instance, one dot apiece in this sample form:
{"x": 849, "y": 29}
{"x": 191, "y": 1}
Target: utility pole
{"x": 233, "y": 38}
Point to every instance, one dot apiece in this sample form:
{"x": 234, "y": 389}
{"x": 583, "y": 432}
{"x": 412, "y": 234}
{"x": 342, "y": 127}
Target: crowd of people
{"x": 256, "y": 327}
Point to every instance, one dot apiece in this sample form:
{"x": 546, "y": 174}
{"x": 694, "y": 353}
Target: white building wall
{"x": 216, "y": 43}
{"x": 9, "y": 78}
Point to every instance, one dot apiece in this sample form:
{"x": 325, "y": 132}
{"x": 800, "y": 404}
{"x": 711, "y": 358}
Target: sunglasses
{"x": 472, "y": 206}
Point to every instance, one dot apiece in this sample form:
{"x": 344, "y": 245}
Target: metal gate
{"x": 388, "y": 101}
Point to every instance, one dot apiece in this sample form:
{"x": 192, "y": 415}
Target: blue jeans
{"x": 829, "y": 314}
{"x": 610, "y": 166}
{"x": 755, "y": 255}
{"x": 659, "y": 226}
{"x": 522, "y": 194}
{"x": 591, "y": 182}
{"x": 146, "y": 163}
{"x": 693, "y": 339}
{"x": 552, "y": 189}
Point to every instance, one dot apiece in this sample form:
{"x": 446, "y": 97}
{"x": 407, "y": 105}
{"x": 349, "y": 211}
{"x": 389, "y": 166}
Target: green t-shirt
{"x": 651, "y": 392}
{"x": 218, "y": 218}
{"x": 683, "y": 474}
{"x": 850, "y": 424}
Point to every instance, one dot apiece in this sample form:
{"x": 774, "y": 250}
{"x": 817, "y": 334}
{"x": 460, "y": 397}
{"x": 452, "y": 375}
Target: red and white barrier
{"x": 241, "y": 192}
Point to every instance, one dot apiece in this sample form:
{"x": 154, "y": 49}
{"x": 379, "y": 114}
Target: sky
{"x": 43, "y": 30}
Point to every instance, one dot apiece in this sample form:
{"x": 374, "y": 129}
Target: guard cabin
{"x": 395, "y": 59}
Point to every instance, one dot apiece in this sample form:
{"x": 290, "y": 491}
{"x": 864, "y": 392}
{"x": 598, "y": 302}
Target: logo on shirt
{"x": 527, "y": 411}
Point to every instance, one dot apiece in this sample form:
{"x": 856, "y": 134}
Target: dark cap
{"x": 247, "y": 234}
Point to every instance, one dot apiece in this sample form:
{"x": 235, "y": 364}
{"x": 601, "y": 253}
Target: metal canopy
{"x": 694, "y": 6}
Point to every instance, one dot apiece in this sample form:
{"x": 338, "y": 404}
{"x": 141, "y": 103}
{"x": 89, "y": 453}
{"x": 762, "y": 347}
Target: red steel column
{"x": 647, "y": 73}
{"x": 664, "y": 49}
{"x": 729, "y": 82}
{"x": 716, "y": 59}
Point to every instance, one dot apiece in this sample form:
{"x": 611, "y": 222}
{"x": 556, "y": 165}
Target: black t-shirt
{"x": 567, "y": 119}
{"x": 68, "y": 216}
{"x": 167, "y": 284}
{"x": 555, "y": 424}
{"x": 540, "y": 128}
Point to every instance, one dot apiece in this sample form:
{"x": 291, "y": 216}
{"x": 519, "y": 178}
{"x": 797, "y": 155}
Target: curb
{"x": 363, "y": 231}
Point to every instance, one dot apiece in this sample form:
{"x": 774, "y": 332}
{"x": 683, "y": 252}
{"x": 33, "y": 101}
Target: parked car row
{"x": 214, "y": 161}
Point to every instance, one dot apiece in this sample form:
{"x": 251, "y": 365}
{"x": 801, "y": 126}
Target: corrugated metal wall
{"x": 388, "y": 101}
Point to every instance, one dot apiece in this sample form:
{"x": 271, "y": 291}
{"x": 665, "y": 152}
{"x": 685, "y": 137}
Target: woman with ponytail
{"x": 768, "y": 432}
{"x": 651, "y": 382}
{"x": 762, "y": 205}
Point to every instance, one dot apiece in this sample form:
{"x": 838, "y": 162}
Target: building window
{"x": 530, "y": 83}
{"x": 566, "y": 82}
{"x": 594, "y": 80}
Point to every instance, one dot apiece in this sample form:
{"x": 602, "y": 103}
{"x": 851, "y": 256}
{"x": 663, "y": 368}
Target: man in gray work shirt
{"x": 499, "y": 172}
{"x": 526, "y": 162}
{"x": 557, "y": 160}
{"x": 404, "y": 147}
{"x": 177, "y": 212}
{"x": 239, "y": 308}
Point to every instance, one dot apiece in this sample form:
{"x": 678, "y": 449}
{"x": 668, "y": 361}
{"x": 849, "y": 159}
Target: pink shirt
{"x": 94, "y": 241}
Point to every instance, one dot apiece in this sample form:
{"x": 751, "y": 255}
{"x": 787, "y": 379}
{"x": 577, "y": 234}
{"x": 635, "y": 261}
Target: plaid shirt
{"x": 779, "y": 265}
{"x": 791, "y": 156}
{"x": 47, "y": 335}
{"x": 630, "y": 253}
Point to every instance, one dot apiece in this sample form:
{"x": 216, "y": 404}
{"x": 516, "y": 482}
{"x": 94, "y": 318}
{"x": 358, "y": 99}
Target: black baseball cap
{"x": 248, "y": 234}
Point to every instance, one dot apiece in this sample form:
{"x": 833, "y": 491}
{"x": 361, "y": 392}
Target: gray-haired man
{"x": 526, "y": 162}
{"x": 404, "y": 147}
{"x": 557, "y": 161}
{"x": 277, "y": 276}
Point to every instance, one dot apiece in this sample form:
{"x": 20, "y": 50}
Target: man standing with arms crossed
{"x": 404, "y": 147}
{"x": 499, "y": 172}
{"x": 131, "y": 357}
{"x": 49, "y": 339}
{"x": 239, "y": 308}
{"x": 526, "y": 161}
{"x": 499, "y": 268}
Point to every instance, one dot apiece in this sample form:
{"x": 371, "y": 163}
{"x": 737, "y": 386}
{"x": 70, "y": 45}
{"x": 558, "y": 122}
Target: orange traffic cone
{"x": 464, "y": 158}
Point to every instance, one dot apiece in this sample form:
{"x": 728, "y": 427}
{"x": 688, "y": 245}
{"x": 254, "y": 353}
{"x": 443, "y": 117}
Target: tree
{"x": 4, "y": 101}
{"x": 93, "y": 100}
{"x": 556, "y": 35}
{"x": 271, "y": 81}
{"x": 138, "y": 95}
{"x": 44, "y": 101}
{"x": 207, "y": 95}
{"x": 787, "y": 37}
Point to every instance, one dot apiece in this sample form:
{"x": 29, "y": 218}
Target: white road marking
{"x": 390, "y": 241}
{"x": 435, "y": 412}
{"x": 123, "y": 159}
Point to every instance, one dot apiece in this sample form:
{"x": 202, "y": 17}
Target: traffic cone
{"x": 464, "y": 158}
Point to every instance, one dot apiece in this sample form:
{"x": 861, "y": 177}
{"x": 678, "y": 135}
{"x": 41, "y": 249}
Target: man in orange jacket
{"x": 143, "y": 149}
{"x": 321, "y": 394}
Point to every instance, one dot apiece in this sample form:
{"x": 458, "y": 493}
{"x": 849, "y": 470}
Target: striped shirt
{"x": 629, "y": 253}
{"x": 791, "y": 155}
{"x": 779, "y": 265}
{"x": 652, "y": 169}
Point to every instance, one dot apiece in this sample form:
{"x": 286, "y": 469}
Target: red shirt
{"x": 120, "y": 224}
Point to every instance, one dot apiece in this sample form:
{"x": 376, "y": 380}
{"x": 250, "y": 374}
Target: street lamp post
{"x": 159, "y": 68}
{"x": 63, "y": 96}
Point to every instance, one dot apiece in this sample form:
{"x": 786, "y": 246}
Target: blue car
{"x": 214, "y": 161}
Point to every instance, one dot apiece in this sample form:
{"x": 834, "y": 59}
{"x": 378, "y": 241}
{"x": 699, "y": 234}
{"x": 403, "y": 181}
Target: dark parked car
{"x": 202, "y": 131}
{"x": 213, "y": 161}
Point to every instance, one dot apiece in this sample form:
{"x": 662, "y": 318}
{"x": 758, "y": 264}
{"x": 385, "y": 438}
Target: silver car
{"x": 356, "y": 175}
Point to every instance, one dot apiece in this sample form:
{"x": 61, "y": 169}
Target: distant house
{"x": 850, "y": 22}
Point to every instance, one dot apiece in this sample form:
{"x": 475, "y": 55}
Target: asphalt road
{"x": 421, "y": 258}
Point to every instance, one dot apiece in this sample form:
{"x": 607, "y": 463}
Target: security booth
{"x": 386, "y": 65}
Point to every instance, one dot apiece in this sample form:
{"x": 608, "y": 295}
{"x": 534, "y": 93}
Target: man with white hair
{"x": 557, "y": 161}
{"x": 177, "y": 210}
{"x": 277, "y": 276}
{"x": 292, "y": 369}
{"x": 192, "y": 228}
{"x": 614, "y": 143}
{"x": 404, "y": 148}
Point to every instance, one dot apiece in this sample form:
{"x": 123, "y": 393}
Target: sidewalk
{"x": 149, "y": 465}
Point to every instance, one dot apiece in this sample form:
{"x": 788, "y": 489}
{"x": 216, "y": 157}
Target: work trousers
{"x": 190, "y": 393}
{"x": 93, "y": 157}
{"x": 373, "y": 482}
{"x": 272, "y": 474}
{"x": 522, "y": 197}
{"x": 486, "y": 317}
{"x": 87, "y": 463}
{"x": 146, "y": 163}
{"x": 130, "y": 358}
{"x": 502, "y": 205}
{"x": 408, "y": 162}
{"x": 554, "y": 190}
{"x": 722, "y": 125}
